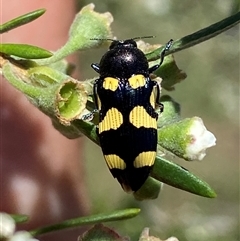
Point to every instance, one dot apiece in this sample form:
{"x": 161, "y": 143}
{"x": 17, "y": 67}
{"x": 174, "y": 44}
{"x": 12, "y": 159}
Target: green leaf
{"x": 170, "y": 73}
{"x": 19, "y": 218}
{"x": 93, "y": 219}
{"x": 198, "y": 37}
{"x": 21, "y": 20}
{"x": 149, "y": 190}
{"x": 25, "y": 51}
{"x": 177, "y": 176}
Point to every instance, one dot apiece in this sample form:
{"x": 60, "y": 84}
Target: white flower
{"x": 7, "y": 225}
{"x": 145, "y": 236}
{"x": 200, "y": 139}
{"x": 7, "y": 230}
{"x": 22, "y": 236}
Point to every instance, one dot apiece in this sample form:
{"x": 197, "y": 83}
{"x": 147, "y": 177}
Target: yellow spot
{"x": 140, "y": 118}
{"x": 114, "y": 161}
{"x": 137, "y": 81}
{"x": 99, "y": 103}
{"x": 110, "y": 84}
{"x": 145, "y": 159}
{"x": 153, "y": 99}
{"x": 112, "y": 120}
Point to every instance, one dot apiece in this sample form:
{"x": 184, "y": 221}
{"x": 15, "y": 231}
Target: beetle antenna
{"x": 113, "y": 40}
{"x": 137, "y": 38}
{"x": 102, "y": 39}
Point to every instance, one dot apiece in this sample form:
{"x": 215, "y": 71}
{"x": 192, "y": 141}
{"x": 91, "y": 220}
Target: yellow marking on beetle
{"x": 140, "y": 118}
{"x": 153, "y": 99}
{"x": 99, "y": 103}
{"x": 110, "y": 84}
{"x": 137, "y": 81}
{"x": 114, "y": 161}
{"x": 145, "y": 159}
{"x": 112, "y": 120}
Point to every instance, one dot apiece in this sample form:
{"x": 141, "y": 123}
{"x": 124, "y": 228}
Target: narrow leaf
{"x": 199, "y": 36}
{"x": 206, "y": 33}
{"x": 177, "y": 176}
{"x": 149, "y": 190}
{"x": 93, "y": 219}
{"x": 19, "y": 218}
{"x": 25, "y": 51}
{"x": 21, "y": 20}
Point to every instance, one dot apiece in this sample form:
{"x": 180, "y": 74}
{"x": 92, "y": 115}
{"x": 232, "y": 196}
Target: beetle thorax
{"x": 123, "y": 62}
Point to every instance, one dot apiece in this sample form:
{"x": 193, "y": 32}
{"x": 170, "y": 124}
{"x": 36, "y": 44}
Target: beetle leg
{"x": 96, "y": 67}
{"x": 160, "y": 105}
{"x": 95, "y": 93}
{"x": 162, "y": 55}
{"x": 89, "y": 116}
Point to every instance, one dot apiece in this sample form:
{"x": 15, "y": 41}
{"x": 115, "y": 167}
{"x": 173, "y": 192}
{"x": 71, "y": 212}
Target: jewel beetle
{"x": 126, "y": 98}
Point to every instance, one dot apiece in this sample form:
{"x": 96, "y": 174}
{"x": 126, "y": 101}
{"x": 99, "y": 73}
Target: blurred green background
{"x": 211, "y": 91}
